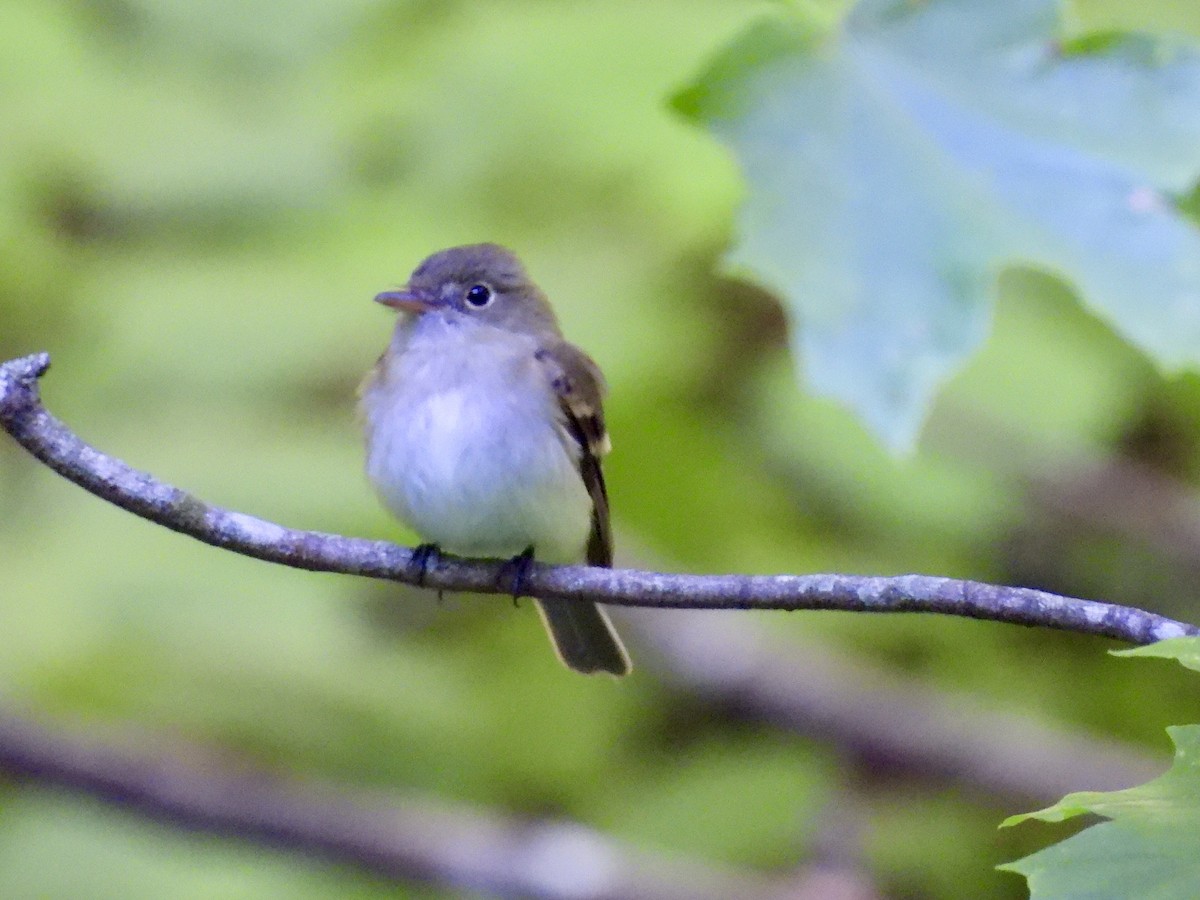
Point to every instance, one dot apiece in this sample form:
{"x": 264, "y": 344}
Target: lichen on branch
{"x": 50, "y": 440}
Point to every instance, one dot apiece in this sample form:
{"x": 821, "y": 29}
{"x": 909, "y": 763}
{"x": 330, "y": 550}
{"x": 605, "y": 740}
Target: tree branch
{"x": 883, "y": 720}
{"x": 47, "y": 438}
{"x": 448, "y": 845}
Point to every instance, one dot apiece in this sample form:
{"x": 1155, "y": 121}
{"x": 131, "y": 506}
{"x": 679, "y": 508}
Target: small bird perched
{"x": 485, "y": 430}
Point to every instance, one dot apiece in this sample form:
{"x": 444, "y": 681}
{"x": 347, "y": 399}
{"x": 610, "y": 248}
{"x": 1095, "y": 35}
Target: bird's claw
{"x": 423, "y": 557}
{"x": 514, "y": 574}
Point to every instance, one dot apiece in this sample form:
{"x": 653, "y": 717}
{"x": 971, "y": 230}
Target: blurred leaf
{"x": 275, "y": 31}
{"x": 751, "y": 800}
{"x": 1166, "y": 16}
{"x": 895, "y": 165}
{"x": 946, "y": 837}
{"x": 170, "y": 140}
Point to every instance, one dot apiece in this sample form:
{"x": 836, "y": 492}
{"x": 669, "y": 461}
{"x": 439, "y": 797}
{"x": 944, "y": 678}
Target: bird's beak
{"x": 406, "y": 300}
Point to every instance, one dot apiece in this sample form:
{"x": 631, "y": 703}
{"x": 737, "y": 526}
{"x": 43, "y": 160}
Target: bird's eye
{"x": 479, "y": 295}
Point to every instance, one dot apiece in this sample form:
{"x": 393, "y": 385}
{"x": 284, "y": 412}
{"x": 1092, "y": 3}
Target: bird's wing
{"x": 580, "y": 388}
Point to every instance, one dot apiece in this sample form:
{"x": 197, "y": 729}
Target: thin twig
{"x": 459, "y": 847}
{"x": 23, "y": 416}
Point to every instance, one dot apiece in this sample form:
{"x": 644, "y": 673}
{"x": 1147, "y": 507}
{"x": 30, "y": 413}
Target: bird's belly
{"x": 481, "y": 478}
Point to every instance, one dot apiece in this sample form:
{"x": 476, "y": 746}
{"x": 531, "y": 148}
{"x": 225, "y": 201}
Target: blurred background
{"x": 198, "y": 202}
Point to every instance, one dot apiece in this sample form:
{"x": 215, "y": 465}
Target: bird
{"x": 485, "y": 432}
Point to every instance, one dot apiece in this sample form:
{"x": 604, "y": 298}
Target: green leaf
{"x": 1151, "y": 845}
{"x": 1185, "y": 649}
{"x": 895, "y": 165}
{"x": 1149, "y": 849}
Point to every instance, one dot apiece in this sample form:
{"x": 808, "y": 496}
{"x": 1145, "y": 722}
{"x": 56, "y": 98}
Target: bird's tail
{"x": 583, "y": 637}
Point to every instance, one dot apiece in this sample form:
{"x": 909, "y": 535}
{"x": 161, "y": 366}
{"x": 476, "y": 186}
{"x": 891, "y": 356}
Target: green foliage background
{"x": 197, "y": 202}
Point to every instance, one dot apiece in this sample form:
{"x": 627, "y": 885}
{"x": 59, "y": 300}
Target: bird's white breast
{"x": 466, "y": 443}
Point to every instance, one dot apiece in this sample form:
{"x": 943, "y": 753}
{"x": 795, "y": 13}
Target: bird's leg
{"x": 514, "y": 574}
{"x": 422, "y": 558}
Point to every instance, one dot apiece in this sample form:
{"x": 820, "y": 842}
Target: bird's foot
{"x": 514, "y": 574}
{"x": 423, "y": 557}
